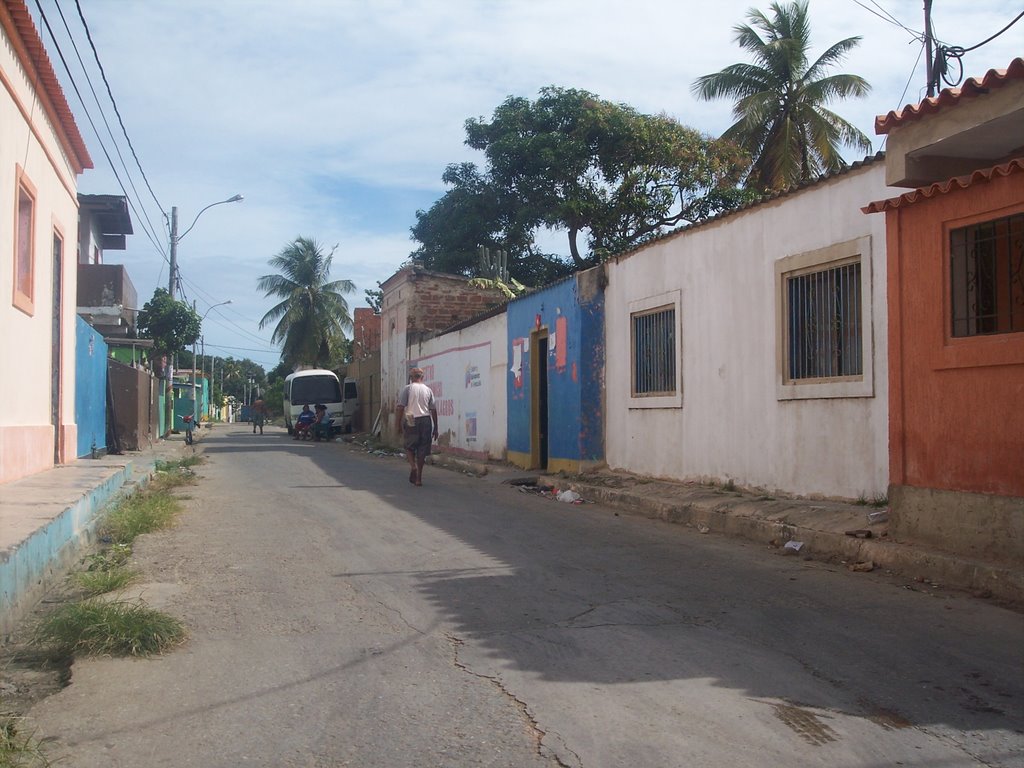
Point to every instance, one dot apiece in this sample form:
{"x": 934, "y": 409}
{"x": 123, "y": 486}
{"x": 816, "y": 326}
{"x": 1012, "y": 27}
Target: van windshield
{"x": 315, "y": 389}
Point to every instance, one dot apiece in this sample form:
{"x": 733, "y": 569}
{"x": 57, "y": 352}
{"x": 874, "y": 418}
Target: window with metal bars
{"x": 654, "y": 352}
{"x": 987, "y": 277}
{"x": 825, "y": 327}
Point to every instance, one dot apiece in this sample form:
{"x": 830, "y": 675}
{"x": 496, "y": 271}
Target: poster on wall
{"x": 459, "y": 379}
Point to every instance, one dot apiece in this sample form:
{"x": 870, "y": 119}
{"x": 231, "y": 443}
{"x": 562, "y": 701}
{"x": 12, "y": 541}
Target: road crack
{"x": 539, "y": 734}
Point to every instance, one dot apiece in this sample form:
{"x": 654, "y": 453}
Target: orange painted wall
{"x": 956, "y": 405}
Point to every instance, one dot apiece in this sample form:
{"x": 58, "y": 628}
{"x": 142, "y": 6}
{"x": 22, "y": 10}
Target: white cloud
{"x": 271, "y": 99}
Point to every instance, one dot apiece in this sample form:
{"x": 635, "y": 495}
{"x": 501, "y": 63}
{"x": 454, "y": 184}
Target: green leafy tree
{"x": 780, "y": 108}
{"x": 374, "y": 298}
{"x": 595, "y": 169}
{"x": 171, "y": 324}
{"x": 312, "y": 314}
{"x": 475, "y": 212}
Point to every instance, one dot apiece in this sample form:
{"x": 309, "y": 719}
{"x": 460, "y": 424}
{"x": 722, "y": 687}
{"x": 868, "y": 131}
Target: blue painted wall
{"x": 90, "y": 388}
{"x": 575, "y": 366}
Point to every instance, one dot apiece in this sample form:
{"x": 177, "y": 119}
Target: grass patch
{"x": 17, "y": 749}
{"x": 138, "y": 514}
{"x": 101, "y": 582}
{"x": 874, "y": 501}
{"x": 98, "y": 628}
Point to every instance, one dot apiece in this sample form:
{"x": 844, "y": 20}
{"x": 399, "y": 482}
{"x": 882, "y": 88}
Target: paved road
{"x": 340, "y": 616}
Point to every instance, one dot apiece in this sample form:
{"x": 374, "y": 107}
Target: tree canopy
{"x": 171, "y": 324}
{"x": 312, "y": 314}
{"x": 780, "y": 112}
{"x": 602, "y": 173}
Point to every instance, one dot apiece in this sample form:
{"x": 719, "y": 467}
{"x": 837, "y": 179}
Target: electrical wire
{"x": 92, "y": 123}
{"x": 230, "y": 309}
{"x": 906, "y": 88}
{"x": 113, "y": 101}
{"x": 944, "y": 54}
{"x": 106, "y": 123}
{"x": 889, "y": 18}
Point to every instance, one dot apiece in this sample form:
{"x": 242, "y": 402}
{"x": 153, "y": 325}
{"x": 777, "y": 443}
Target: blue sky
{"x": 336, "y": 118}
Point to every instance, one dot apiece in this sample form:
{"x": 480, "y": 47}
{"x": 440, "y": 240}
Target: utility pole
{"x": 929, "y": 55}
{"x": 174, "y": 249}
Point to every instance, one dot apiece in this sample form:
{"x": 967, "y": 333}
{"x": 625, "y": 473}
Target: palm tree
{"x": 312, "y": 315}
{"x": 781, "y": 119}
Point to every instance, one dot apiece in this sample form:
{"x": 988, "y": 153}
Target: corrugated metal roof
{"x": 949, "y": 97}
{"x": 944, "y": 187}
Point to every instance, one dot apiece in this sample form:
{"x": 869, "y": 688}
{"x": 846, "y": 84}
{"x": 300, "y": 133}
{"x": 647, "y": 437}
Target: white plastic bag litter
{"x": 568, "y": 496}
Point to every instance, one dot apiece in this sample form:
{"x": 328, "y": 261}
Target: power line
{"x": 241, "y": 349}
{"x": 237, "y": 327}
{"x": 906, "y": 88}
{"x": 885, "y": 16}
{"x": 106, "y": 123}
{"x": 113, "y": 101}
{"x": 92, "y": 123}
{"x": 944, "y": 54}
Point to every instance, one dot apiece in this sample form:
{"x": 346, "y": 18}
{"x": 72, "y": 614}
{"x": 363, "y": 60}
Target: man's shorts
{"x": 419, "y": 436}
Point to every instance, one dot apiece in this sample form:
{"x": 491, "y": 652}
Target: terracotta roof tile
{"x": 941, "y": 188}
{"x": 60, "y": 112}
{"x": 948, "y": 97}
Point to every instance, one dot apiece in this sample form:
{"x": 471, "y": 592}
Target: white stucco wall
{"x": 731, "y": 424}
{"x": 26, "y": 338}
{"x": 469, "y": 372}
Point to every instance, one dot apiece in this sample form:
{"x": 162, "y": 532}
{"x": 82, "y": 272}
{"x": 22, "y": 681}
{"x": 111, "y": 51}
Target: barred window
{"x": 987, "y": 277}
{"x": 654, "y": 352}
{"x": 825, "y": 327}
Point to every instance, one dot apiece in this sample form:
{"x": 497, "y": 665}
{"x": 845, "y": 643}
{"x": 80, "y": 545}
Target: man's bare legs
{"x": 415, "y": 467}
{"x": 414, "y": 475}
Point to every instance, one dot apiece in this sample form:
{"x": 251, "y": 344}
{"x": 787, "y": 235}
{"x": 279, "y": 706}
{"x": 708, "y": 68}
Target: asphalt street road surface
{"x": 340, "y": 616}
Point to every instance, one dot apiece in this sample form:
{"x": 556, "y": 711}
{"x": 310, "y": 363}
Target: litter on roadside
{"x": 569, "y": 497}
{"x": 792, "y": 546}
{"x": 860, "y": 533}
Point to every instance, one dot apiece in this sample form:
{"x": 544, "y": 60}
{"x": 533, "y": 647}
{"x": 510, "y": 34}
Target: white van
{"x": 317, "y": 385}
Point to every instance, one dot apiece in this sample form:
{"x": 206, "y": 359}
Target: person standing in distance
{"x": 259, "y": 415}
{"x": 416, "y": 414}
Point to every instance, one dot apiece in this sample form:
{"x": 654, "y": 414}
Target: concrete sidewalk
{"x": 822, "y": 530}
{"x": 46, "y": 519}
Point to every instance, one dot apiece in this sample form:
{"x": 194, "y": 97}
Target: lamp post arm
{"x": 233, "y": 199}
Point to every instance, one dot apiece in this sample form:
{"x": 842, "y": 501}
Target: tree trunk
{"x": 574, "y": 250}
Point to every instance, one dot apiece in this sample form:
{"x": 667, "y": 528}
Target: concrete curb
{"x": 771, "y": 521}
{"x": 52, "y": 516}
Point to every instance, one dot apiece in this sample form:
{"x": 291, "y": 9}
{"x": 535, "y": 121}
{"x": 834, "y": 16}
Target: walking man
{"x": 259, "y": 415}
{"x": 417, "y": 419}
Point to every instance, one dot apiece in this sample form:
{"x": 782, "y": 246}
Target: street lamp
{"x": 195, "y": 399}
{"x": 172, "y": 281}
{"x": 175, "y": 237}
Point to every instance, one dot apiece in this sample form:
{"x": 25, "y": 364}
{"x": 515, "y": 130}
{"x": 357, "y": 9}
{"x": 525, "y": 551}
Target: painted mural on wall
{"x": 459, "y": 380}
